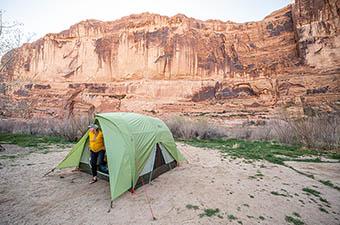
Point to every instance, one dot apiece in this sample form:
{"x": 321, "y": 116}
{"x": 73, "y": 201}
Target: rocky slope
{"x": 287, "y": 63}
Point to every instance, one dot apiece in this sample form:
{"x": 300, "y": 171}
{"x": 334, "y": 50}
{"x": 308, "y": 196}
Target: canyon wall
{"x": 287, "y": 63}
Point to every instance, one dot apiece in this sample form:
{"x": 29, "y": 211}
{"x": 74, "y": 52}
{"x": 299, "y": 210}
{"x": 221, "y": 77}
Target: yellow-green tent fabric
{"x": 129, "y": 139}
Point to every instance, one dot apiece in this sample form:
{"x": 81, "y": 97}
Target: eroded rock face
{"x": 158, "y": 64}
{"x": 317, "y": 29}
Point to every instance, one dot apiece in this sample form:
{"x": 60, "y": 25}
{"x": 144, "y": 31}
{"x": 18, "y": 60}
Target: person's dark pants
{"x": 98, "y": 156}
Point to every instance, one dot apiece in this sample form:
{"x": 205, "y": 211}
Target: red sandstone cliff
{"x": 152, "y": 63}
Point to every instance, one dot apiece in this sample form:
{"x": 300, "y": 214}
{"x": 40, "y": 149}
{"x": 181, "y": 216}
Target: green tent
{"x": 138, "y": 149}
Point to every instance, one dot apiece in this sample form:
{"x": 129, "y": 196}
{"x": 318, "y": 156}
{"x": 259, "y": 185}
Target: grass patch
{"x": 278, "y": 194}
{"x": 254, "y": 150}
{"x": 189, "y": 206}
{"x": 295, "y": 221}
{"x": 327, "y": 183}
{"x": 323, "y": 210}
{"x": 259, "y": 174}
{"x": 210, "y": 212}
{"x": 232, "y": 217}
{"x": 334, "y": 156}
{"x": 25, "y": 140}
{"x": 323, "y": 200}
{"x": 315, "y": 160}
{"x": 311, "y": 191}
{"x": 8, "y": 156}
{"x": 296, "y": 214}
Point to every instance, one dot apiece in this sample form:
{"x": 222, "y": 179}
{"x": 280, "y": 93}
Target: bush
{"x": 321, "y": 131}
{"x": 187, "y": 129}
{"x": 70, "y": 129}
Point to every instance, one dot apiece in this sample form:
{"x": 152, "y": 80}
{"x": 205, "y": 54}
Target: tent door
{"x": 84, "y": 163}
{"x": 159, "y": 160}
{"x": 166, "y": 155}
{"x": 149, "y": 165}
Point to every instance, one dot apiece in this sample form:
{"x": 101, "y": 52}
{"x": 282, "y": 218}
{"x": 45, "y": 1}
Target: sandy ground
{"x": 320, "y": 171}
{"x": 208, "y": 181}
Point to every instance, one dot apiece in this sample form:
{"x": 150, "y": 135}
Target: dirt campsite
{"x": 170, "y": 112}
{"x": 210, "y": 188}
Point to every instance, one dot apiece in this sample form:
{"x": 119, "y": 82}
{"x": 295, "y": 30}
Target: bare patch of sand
{"x": 208, "y": 181}
{"x": 320, "y": 171}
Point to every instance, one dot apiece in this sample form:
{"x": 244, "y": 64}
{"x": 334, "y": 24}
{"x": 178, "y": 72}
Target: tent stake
{"x": 111, "y": 206}
{"x": 48, "y": 172}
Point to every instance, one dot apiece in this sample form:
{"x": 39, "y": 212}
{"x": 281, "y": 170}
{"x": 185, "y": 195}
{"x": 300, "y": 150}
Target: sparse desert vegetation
{"x": 70, "y": 129}
{"x": 317, "y": 132}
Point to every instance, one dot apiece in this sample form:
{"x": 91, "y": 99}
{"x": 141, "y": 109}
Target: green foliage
{"x": 311, "y": 191}
{"x": 330, "y": 184}
{"x": 334, "y": 155}
{"x": 25, "y": 140}
{"x": 232, "y": 217}
{"x": 210, "y": 212}
{"x": 327, "y": 183}
{"x": 8, "y": 156}
{"x": 295, "y": 221}
{"x": 278, "y": 194}
{"x": 296, "y": 214}
{"x": 323, "y": 210}
{"x": 189, "y": 206}
{"x": 323, "y": 200}
{"x": 259, "y": 174}
{"x": 254, "y": 150}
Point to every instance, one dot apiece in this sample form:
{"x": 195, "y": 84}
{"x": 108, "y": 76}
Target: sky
{"x": 51, "y": 16}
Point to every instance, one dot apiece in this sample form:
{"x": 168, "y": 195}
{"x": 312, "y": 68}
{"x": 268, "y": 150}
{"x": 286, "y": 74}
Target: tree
{"x": 12, "y": 36}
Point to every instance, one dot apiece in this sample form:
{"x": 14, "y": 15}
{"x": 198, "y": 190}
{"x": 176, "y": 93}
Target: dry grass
{"x": 70, "y": 129}
{"x": 183, "y": 128}
{"x": 321, "y": 132}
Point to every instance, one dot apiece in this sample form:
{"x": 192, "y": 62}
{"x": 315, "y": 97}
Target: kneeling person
{"x": 97, "y": 149}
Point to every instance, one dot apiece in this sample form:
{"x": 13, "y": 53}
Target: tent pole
{"x": 150, "y": 178}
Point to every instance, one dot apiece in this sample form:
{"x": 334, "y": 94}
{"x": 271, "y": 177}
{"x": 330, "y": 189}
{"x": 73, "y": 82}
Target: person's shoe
{"x": 94, "y": 180}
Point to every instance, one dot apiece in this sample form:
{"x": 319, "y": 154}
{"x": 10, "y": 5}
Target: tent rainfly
{"x": 139, "y": 148}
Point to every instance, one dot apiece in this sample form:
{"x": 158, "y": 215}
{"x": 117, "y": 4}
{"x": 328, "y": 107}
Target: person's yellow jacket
{"x": 96, "y": 141}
